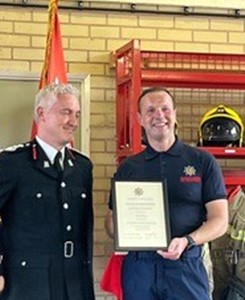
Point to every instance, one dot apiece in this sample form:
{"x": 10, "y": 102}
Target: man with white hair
{"x": 46, "y": 207}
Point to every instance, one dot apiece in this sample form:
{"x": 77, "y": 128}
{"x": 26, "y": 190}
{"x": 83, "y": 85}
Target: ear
{"x": 139, "y": 118}
{"x": 40, "y": 113}
{"x": 175, "y": 113}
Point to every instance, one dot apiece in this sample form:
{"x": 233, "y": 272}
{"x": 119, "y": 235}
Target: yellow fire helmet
{"x": 221, "y": 127}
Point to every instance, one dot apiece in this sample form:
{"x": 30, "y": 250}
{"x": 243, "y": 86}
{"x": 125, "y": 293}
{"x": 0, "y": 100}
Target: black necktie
{"x": 57, "y": 162}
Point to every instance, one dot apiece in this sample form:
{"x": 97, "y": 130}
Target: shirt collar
{"x": 175, "y": 150}
{"x": 49, "y": 150}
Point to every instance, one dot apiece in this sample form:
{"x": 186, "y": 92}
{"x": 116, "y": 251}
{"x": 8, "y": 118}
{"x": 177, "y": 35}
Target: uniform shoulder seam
{"x": 16, "y": 148}
{"x": 78, "y": 152}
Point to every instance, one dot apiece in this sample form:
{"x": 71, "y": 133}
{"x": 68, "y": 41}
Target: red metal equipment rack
{"x": 136, "y": 69}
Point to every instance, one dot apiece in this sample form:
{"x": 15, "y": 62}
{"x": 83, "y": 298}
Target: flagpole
{"x": 54, "y": 67}
{"x": 52, "y": 11}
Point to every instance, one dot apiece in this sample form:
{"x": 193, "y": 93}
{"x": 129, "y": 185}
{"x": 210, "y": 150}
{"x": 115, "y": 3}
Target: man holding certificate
{"x": 164, "y": 261}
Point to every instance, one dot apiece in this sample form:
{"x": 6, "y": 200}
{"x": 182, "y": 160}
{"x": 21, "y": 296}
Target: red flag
{"x": 111, "y": 278}
{"x": 54, "y": 68}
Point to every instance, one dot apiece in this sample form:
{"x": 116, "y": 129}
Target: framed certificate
{"x": 141, "y": 215}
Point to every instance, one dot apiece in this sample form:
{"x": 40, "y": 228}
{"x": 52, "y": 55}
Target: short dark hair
{"x": 153, "y": 90}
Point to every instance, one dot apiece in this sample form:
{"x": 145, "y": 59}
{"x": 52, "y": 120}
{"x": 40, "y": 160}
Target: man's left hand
{"x": 175, "y": 249}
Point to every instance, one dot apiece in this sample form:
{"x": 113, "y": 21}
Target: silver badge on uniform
{"x": 70, "y": 163}
{"x": 46, "y": 164}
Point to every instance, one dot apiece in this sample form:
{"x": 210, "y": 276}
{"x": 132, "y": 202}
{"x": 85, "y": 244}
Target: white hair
{"x": 47, "y": 96}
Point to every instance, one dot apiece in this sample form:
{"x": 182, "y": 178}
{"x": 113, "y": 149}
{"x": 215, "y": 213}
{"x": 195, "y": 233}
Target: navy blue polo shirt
{"x": 193, "y": 179}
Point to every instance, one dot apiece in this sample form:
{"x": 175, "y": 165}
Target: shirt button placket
{"x": 163, "y": 165}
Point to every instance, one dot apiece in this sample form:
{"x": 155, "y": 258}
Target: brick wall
{"x": 88, "y": 39}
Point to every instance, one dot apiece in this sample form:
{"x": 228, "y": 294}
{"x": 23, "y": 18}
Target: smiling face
{"x": 158, "y": 117}
{"x": 57, "y": 124}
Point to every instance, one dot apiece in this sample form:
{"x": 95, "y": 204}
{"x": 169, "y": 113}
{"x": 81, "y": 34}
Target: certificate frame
{"x": 140, "y": 215}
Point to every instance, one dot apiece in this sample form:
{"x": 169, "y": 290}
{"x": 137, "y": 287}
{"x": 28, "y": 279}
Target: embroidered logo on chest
{"x": 190, "y": 175}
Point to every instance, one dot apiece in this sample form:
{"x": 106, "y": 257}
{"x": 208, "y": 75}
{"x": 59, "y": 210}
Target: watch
{"x": 190, "y": 242}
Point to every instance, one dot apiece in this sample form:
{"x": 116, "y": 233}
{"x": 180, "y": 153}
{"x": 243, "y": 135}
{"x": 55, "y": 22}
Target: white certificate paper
{"x": 140, "y": 212}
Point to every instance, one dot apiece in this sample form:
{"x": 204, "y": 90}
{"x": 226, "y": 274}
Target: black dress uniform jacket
{"x": 47, "y": 225}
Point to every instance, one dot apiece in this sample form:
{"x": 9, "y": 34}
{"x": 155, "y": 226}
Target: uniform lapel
{"x": 69, "y": 163}
{"x": 41, "y": 161}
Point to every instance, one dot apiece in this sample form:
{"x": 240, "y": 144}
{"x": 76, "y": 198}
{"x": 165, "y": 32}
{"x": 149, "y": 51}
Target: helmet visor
{"x": 221, "y": 131}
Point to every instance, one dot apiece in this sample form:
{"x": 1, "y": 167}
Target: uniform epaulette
{"x": 15, "y": 148}
{"x": 76, "y": 151}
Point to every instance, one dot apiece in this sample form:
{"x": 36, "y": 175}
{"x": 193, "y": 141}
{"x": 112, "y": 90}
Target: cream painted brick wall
{"x": 88, "y": 19}
{"x": 110, "y": 170}
{"x": 105, "y": 31}
{"x": 14, "y": 66}
{"x": 6, "y": 27}
{"x": 103, "y": 158}
{"x": 99, "y": 57}
{"x": 102, "y": 82}
{"x": 116, "y": 44}
{"x": 157, "y": 45}
{"x": 100, "y": 195}
{"x": 102, "y": 108}
{"x": 210, "y": 36}
{"x": 28, "y": 54}
{"x": 227, "y": 25}
{"x": 156, "y": 21}
{"x": 15, "y": 14}
{"x": 236, "y": 37}
{"x": 119, "y": 20}
{"x": 97, "y": 44}
{"x": 187, "y": 23}
{"x": 41, "y": 16}
{"x": 5, "y": 53}
{"x": 110, "y": 95}
{"x": 40, "y": 42}
{"x": 75, "y": 30}
{"x": 218, "y": 48}
{"x": 99, "y": 170}
{"x": 98, "y": 94}
{"x": 102, "y": 133}
{"x": 175, "y": 35}
{"x": 76, "y": 56}
{"x": 98, "y": 120}
{"x": 15, "y": 40}
{"x": 93, "y": 69}
{"x": 35, "y": 67}
{"x": 30, "y": 28}
{"x": 88, "y": 39}
{"x": 192, "y": 47}
{"x": 139, "y": 33}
